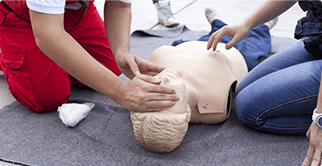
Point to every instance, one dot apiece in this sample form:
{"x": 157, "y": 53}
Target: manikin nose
{"x": 164, "y": 80}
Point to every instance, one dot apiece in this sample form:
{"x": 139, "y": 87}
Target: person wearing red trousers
{"x": 48, "y": 45}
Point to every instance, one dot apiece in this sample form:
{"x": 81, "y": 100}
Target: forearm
{"x": 268, "y": 10}
{"x": 70, "y": 56}
{"x": 117, "y": 18}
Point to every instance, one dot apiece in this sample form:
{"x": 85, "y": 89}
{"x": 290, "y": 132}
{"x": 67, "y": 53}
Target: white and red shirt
{"x": 57, "y": 6}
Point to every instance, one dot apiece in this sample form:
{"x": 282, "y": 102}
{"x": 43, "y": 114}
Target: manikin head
{"x": 163, "y": 131}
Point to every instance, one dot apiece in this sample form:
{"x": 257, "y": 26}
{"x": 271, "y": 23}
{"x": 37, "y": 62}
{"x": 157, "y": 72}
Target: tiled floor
{"x": 190, "y": 13}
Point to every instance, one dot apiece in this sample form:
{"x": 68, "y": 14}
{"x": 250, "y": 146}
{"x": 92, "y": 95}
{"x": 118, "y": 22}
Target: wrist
{"x": 120, "y": 51}
{"x": 248, "y": 24}
{"x": 317, "y": 118}
{"x": 319, "y": 108}
{"x": 120, "y": 93}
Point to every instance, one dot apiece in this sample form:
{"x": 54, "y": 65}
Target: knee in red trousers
{"x": 41, "y": 87}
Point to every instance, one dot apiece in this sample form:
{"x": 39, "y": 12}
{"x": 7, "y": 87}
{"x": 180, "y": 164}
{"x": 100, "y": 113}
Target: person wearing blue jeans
{"x": 279, "y": 95}
{"x": 282, "y": 95}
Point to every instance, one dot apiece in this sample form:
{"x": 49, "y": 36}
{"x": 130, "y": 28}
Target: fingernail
{"x": 178, "y": 98}
{"x": 137, "y": 73}
{"x": 173, "y": 102}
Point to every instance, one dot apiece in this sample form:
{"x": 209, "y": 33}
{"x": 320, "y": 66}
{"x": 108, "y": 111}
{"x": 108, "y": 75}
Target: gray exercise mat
{"x": 105, "y": 136}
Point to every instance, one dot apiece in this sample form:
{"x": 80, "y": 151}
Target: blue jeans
{"x": 255, "y": 45}
{"x": 311, "y": 30}
{"x": 279, "y": 95}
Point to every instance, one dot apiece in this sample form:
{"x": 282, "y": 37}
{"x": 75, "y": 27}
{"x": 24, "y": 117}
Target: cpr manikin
{"x": 205, "y": 82}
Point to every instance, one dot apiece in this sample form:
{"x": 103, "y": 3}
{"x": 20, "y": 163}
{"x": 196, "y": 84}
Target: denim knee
{"x": 244, "y": 111}
{"x": 277, "y": 119}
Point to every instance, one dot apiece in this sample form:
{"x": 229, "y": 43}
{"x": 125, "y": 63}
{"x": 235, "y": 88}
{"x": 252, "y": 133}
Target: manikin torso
{"x": 210, "y": 77}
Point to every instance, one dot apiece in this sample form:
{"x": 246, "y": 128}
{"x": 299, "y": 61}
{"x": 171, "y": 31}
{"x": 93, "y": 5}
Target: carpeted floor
{"x": 105, "y": 136}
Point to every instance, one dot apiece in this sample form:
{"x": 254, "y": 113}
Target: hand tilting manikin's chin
{"x": 170, "y": 78}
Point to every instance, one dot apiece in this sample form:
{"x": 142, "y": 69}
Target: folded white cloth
{"x": 72, "y": 113}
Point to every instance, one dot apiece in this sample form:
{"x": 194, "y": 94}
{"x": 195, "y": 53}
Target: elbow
{"x": 46, "y": 27}
{"x": 38, "y": 40}
{"x": 41, "y": 42}
{"x": 46, "y": 37}
{"x": 39, "y": 35}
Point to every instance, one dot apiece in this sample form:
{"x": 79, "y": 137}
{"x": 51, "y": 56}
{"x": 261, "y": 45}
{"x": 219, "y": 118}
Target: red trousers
{"x": 33, "y": 78}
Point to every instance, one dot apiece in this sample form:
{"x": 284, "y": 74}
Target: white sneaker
{"x": 165, "y": 15}
{"x": 210, "y": 14}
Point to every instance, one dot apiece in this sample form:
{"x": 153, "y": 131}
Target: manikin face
{"x": 170, "y": 78}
